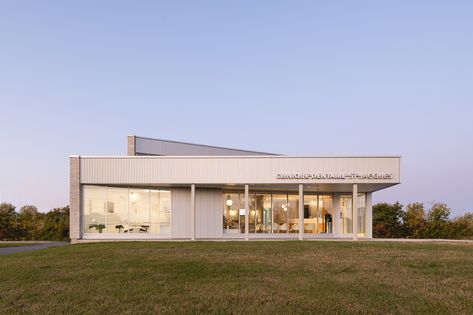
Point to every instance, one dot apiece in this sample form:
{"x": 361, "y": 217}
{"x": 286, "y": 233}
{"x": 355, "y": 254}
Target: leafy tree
{"x": 56, "y": 225}
{"x": 415, "y": 221}
{"x": 388, "y": 220}
{"x": 438, "y": 222}
{"x": 8, "y": 222}
{"x": 462, "y": 226}
{"x": 31, "y": 223}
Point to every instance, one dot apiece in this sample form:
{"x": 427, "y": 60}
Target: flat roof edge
{"x": 237, "y": 156}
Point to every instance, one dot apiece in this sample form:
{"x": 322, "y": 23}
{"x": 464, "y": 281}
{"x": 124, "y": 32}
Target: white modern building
{"x": 174, "y": 190}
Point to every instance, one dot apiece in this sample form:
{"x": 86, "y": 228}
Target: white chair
{"x": 282, "y": 228}
{"x": 309, "y": 228}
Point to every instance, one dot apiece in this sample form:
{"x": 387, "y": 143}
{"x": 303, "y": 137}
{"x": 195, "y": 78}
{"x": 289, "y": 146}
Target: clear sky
{"x": 293, "y": 77}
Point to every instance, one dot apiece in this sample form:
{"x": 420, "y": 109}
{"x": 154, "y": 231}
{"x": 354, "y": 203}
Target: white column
{"x": 247, "y": 210}
{"x": 355, "y": 211}
{"x": 301, "y": 212}
{"x": 369, "y": 215}
{"x": 193, "y": 212}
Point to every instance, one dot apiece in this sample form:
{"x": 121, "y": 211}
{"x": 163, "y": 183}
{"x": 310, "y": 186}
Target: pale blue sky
{"x": 294, "y": 77}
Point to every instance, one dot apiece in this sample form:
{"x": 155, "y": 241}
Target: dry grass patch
{"x": 240, "y": 277}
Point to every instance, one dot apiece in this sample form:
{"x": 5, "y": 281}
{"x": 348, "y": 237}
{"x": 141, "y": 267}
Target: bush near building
{"x": 393, "y": 221}
{"x": 29, "y": 224}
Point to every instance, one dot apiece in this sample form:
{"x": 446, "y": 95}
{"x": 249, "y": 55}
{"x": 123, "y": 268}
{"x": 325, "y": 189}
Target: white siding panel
{"x": 231, "y": 170}
{"x": 209, "y": 213}
{"x": 181, "y": 213}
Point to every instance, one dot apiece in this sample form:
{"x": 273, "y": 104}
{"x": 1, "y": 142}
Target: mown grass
{"x": 240, "y": 277}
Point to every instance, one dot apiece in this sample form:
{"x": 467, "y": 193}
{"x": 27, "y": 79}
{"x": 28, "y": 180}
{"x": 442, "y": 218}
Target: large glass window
{"x": 279, "y": 213}
{"x": 361, "y": 212}
{"x": 293, "y": 213}
{"x": 264, "y": 213}
{"x": 160, "y": 211}
{"x": 117, "y": 210}
{"x": 268, "y": 213}
{"x": 252, "y": 220}
{"x": 139, "y": 211}
{"x": 325, "y": 213}
{"x": 126, "y": 210}
{"x": 280, "y": 223}
{"x": 318, "y": 214}
{"x": 346, "y": 214}
{"x": 94, "y": 207}
{"x": 310, "y": 214}
{"x": 234, "y": 213}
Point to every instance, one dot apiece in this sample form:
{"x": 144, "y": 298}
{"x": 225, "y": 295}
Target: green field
{"x": 240, "y": 277}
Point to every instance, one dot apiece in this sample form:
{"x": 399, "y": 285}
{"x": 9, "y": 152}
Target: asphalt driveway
{"x": 33, "y": 246}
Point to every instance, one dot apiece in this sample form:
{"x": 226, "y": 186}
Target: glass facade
{"x": 268, "y": 213}
{"x": 262, "y": 213}
{"x": 293, "y": 213}
{"x": 361, "y": 214}
{"x": 279, "y": 213}
{"x": 234, "y": 213}
{"x": 124, "y": 211}
{"x": 117, "y": 210}
{"x": 346, "y": 214}
{"x": 280, "y": 217}
{"x": 318, "y": 214}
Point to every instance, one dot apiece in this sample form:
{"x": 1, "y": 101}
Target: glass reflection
{"x": 279, "y": 213}
{"x": 233, "y": 217}
{"x": 325, "y": 213}
{"x": 318, "y": 214}
{"x": 346, "y": 214}
{"x": 118, "y": 210}
{"x": 280, "y": 223}
{"x": 361, "y": 214}
{"x": 293, "y": 213}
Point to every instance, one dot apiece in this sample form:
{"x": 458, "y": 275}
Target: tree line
{"x": 389, "y": 221}
{"x": 415, "y": 221}
{"x": 29, "y": 224}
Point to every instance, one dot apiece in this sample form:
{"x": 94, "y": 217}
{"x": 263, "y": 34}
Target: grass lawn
{"x": 3, "y": 245}
{"x": 240, "y": 277}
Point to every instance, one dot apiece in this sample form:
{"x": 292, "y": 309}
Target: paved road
{"x": 26, "y": 248}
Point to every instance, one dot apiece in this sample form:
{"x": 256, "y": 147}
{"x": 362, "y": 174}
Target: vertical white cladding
{"x": 236, "y": 170}
{"x": 181, "y": 213}
{"x": 209, "y": 213}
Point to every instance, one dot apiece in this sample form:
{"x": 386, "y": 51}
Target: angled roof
{"x": 158, "y": 147}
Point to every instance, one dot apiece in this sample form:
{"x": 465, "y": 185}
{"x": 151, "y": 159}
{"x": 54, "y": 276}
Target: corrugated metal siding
{"x": 171, "y": 148}
{"x": 208, "y": 213}
{"x": 180, "y": 213}
{"x": 230, "y": 170}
